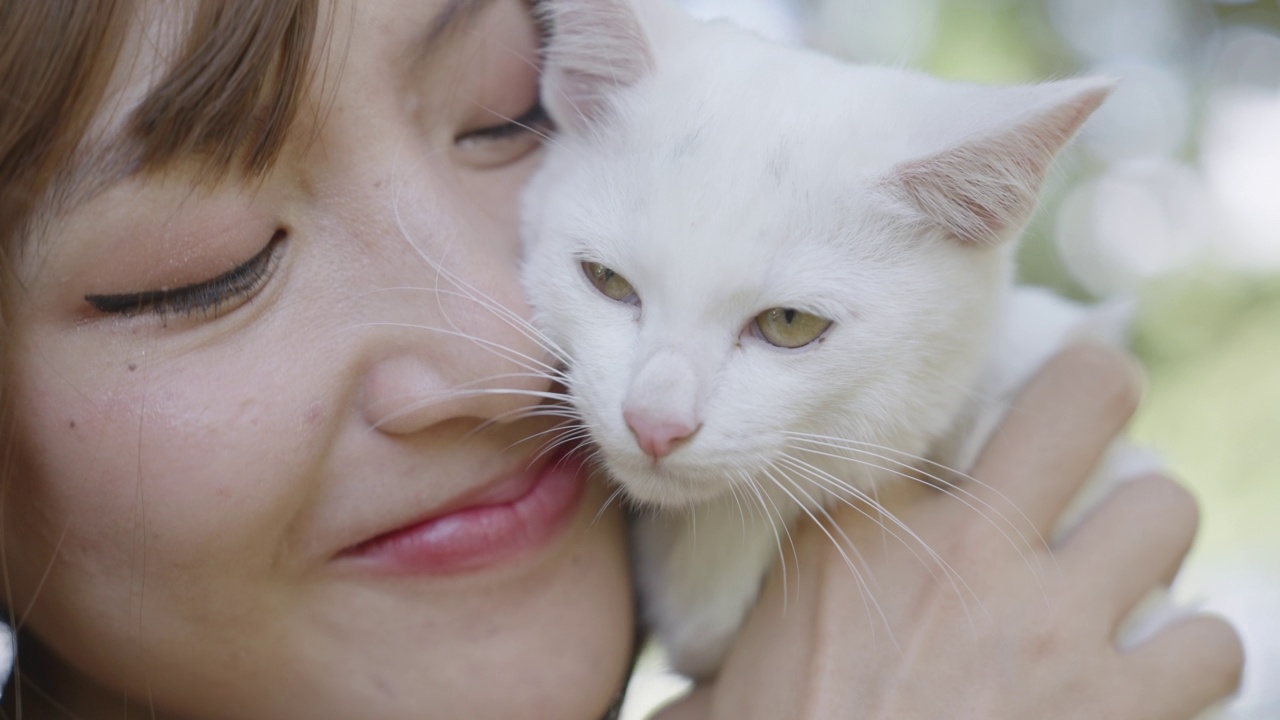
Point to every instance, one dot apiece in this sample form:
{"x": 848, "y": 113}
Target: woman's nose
{"x": 408, "y": 392}
{"x": 453, "y": 340}
{"x": 443, "y": 319}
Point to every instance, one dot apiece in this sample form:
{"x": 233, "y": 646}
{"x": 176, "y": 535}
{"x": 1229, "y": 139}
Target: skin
{"x": 182, "y": 485}
{"x": 187, "y": 481}
{"x": 1036, "y": 638}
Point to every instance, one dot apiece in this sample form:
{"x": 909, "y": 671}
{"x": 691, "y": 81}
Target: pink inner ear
{"x": 596, "y": 48}
{"x": 983, "y": 190}
{"x": 978, "y": 191}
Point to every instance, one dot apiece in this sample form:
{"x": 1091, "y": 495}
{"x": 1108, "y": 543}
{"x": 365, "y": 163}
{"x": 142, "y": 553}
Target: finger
{"x": 1197, "y": 661}
{"x": 1058, "y": 428}
{"x": 1132, "y": 542}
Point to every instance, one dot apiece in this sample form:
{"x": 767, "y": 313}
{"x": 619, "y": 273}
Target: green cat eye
{"x": 610, "y": 283}
{"x": 789, "y": 328}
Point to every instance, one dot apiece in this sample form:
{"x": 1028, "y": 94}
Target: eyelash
{"x": 206, "y": 298}
{"x": 210, "y": 296}
{"x": 534, "y": 120}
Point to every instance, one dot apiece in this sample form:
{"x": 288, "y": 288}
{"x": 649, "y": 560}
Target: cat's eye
{"x": 610, "y": 284}
{"x": 789, "y": 328}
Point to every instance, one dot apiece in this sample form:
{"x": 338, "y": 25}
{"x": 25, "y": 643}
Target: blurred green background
{"x": 1172, "y": 197}
{"x": 1204, "y": 80}
{"x": 1188, "y": 221}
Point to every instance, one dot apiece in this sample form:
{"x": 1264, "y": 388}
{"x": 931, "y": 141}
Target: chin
{"x": 667, "y": 485}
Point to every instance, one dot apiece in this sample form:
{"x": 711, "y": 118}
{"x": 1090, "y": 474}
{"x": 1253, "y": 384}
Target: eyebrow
{"x": 111, "y": 160}
{"x": 457, "y": 15}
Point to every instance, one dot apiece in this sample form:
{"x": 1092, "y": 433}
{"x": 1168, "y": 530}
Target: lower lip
{"x": 481, "y": 536}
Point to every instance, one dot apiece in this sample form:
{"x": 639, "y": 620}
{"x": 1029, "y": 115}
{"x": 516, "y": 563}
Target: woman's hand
{"x": 1015, "y": 629}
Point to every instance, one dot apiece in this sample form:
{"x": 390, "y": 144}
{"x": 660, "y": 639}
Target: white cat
{"x": 777, "y": 279}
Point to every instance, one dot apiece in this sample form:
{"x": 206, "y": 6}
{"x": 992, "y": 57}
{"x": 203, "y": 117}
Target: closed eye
{"x": 498, "y": 145}
{"x": 535, "y": 121}
{"x": 211, "y": 298}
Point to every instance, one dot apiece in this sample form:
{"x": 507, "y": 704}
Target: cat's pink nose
{"x": 658, "y": 437}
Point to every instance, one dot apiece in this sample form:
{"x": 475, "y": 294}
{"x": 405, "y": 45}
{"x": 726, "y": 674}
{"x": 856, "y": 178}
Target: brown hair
{"x": 230, "y": 94}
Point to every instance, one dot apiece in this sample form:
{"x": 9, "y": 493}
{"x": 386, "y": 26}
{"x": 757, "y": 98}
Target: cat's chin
{"x": 662, "y": 485}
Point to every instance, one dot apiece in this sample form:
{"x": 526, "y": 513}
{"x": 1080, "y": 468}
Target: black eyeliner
{"x": 201, "y": 296}
{"x": 533, "y": 120}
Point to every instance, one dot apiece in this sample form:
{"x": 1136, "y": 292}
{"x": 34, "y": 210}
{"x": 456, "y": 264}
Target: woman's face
{"x": 267, "y": 491}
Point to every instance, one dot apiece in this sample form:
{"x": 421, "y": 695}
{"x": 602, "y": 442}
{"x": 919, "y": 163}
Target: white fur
{"x": 723, "y": 176}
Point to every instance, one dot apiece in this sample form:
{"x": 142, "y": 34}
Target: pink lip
{"x": 519, "y": 514}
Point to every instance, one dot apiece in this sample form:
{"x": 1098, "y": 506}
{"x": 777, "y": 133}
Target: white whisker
{"x": 527, "y": 329}
{"x": 553, "y": 409}
{"x": 761, "y": 498}
{"x": 553, "y": 446}
{"x": 525, "y": 361}
{"x": 742, "y": 514}
{"x": 845, "y": 443}
{"x": 608, "y": 501}
{"x": 446, "y": 397}
{"x": 556, "y": 431}
{"x": 44, "y": 577}
{"x": 835, "y": 486}
{"x": 515, "y": 121}
{"x": 864, "y": 589}
{"x": 1022, "y": 546}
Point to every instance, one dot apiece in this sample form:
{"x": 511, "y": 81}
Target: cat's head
{"x": 740, "y": 244}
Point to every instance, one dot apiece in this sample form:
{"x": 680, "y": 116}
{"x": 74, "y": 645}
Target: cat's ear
{"x": 984, "y": 189}
{"x": 595, "y": 48}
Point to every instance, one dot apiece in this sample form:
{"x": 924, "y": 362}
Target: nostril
{"x": 659, "y": 437}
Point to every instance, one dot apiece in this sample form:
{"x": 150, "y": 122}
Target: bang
{"x": 226, "y": 101}
{"x": 233, "y": 91}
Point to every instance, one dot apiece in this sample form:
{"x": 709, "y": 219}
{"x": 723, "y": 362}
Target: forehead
{"x": 192, "y": 82}
{"x": 737, "y": 191}
{"x": 713, "y": 226}
{"x": 749, "y": 177}
{"x": 220, "y": 83}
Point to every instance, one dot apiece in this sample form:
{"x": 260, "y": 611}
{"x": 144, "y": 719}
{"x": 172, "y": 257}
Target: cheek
{"x": 757, "y": 400}
{"x": 495, "y": 194}
{"x": 159, "y": 460}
